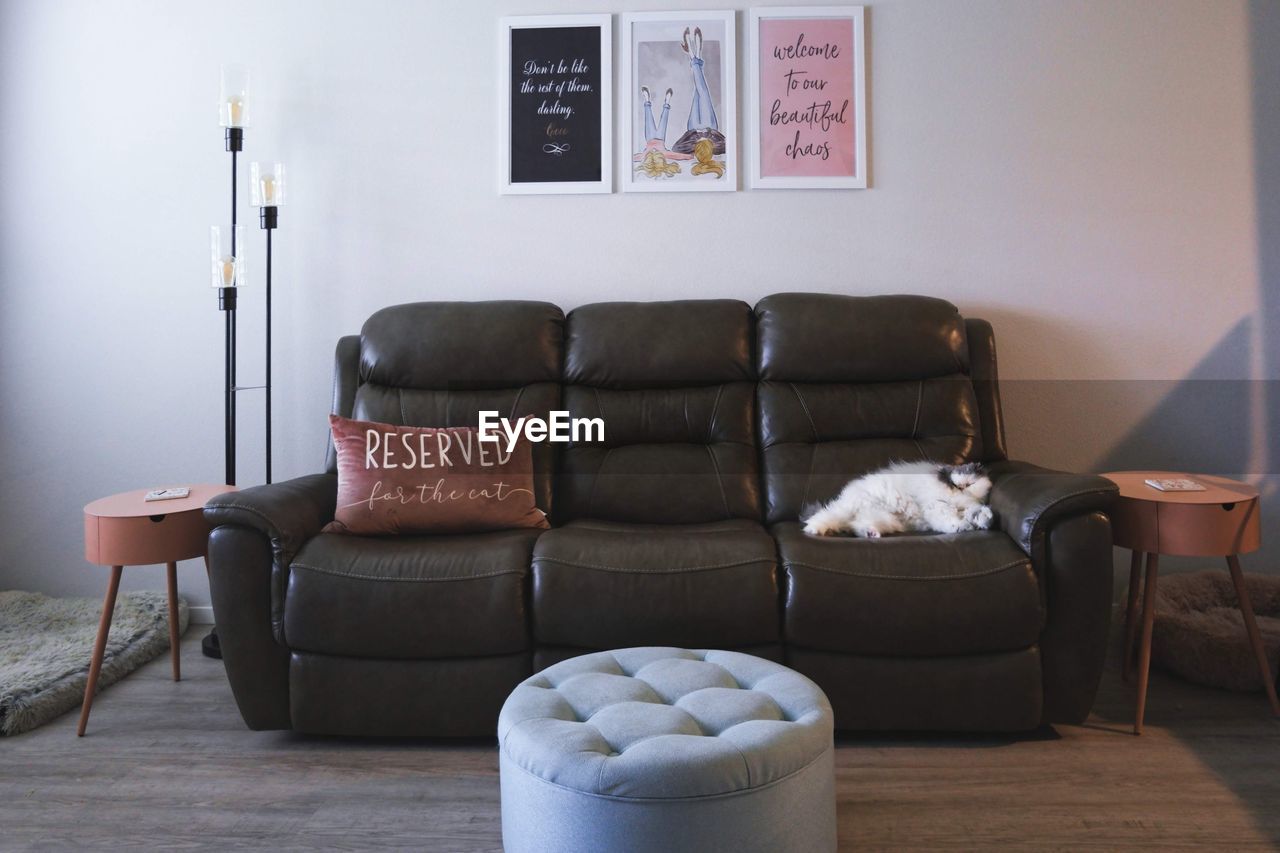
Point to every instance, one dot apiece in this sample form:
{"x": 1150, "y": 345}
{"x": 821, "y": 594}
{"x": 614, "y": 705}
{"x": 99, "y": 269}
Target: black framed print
{"x": 555, "y": 114}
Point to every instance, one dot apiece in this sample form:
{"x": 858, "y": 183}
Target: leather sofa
{"x": 722, "y": 423}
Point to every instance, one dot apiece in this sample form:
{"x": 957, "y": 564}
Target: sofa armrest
{"x": 1060, "y": 520}
{"x": 1028, "y": 499}
{"x": 255, "y": 534}
{"x": 287, "y": 513}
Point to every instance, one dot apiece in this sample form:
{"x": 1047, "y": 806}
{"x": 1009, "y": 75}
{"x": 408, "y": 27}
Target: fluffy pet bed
{"x": 1199, "y": 633}
{"x": 46, "y": 643}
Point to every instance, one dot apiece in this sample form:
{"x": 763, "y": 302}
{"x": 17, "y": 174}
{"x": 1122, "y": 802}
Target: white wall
{"x": 1081, "y": 173}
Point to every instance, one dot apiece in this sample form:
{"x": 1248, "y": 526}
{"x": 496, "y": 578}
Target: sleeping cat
{"x": 907, "y": 496}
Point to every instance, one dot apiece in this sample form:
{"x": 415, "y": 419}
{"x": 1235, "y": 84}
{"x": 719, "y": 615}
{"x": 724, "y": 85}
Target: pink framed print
{"x": 806, "y": 98}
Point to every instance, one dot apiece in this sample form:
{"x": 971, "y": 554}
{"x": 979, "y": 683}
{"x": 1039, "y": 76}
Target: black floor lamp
{"x": 230, "y": 273}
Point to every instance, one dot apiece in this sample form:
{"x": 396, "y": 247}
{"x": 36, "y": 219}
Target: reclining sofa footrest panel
{"x": 364, "y": 697}
{"x": 971, "y": 693}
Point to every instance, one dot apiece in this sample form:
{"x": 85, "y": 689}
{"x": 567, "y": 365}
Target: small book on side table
{"x": 1176, "y": 484}
{"x": 167, "y": 494}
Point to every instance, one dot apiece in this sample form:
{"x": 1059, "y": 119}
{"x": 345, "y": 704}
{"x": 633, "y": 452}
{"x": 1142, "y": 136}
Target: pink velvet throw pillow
{"x": 399, "y": 479}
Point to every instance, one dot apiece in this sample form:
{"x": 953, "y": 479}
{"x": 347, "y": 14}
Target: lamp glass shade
{"x": 233, "y": 97}
{"x": 266, "y": 184}
{"x": 227, "y": 266}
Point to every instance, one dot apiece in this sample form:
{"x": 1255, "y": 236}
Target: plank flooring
{"x": 171, "y": 765}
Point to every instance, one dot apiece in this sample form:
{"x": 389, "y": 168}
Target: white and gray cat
{"x": 907, "y": 497}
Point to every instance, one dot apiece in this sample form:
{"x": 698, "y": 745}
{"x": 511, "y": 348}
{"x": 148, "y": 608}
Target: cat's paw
{"x": 817, "y": 527}
{"x": 981, "y": 517}
{"x": 867, "y": 532}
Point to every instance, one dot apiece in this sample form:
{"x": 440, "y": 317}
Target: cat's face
{"x": 971, "y": 478}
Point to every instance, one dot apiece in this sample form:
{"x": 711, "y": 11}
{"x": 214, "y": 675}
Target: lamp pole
{"x": 227, "y": 303}
{"x": 267, "y": 218}
{"x": 267, "y": 189}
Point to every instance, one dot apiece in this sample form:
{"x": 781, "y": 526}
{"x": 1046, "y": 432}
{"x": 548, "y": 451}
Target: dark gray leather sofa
{"x": 722, "y": 424}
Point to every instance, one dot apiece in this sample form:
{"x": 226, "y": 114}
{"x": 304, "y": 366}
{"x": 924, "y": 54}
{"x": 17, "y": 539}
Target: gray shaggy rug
{"x": 46, "y": 643}
{"x": 1199, "y": 632}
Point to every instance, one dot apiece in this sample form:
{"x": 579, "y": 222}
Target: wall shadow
{"x": 1264, "y": 59}
{"x": 1232, "y": 427}
{"x": 1204, "y": 422}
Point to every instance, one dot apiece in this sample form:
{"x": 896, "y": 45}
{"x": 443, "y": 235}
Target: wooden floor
{"x": 171, "y": 765}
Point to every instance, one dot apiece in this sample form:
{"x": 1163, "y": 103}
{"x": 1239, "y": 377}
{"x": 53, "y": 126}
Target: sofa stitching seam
{"x": 595, "y": 478}
{"x": 253, "y": 511}
{"x": 1024, "y": 561}
{"x": 805, "y": 408}
{"x": 355, "y": 576}
{"x": 715, "y": 465}
{"x": 715, "y": 412}
{"x": 1036, "y": 521}
{"x": 707, "y": 567}
{"x": 915, "y": 426}
{"x": 515, "y": 404}
{"x": 688, "y": 427}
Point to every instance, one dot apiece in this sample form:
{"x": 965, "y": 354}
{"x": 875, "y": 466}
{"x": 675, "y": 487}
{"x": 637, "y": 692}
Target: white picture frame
{"x": 769, "y": 175}
{"x": 661, "y": 34}
{"x": 509, "y": 177}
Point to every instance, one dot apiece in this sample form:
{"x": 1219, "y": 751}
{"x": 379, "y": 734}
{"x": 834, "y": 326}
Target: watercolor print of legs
{"x": 677, "y": 61}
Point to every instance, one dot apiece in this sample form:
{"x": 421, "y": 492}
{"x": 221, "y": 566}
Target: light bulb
{"x": 235, "y": 110}
{"x": 228, "y": 267}
{"x": 226, "y": 263}
{"x": 233, "y": 97}
{"x": 268, "y": 185}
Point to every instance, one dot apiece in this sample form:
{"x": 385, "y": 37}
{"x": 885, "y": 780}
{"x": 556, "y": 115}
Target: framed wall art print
{"x": 555, "y": 112}
{"x": 679, "y": 101}
{"x": 807, "y": 97}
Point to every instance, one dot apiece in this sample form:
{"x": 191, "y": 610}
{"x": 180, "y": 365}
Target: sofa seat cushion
{"x": 414, "y": 597}
{"x": 606, "y": 585}
{"x": 908, "y": 596}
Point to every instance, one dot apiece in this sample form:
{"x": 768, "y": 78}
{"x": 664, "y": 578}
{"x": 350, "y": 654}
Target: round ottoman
{"x": 667, "y": 750}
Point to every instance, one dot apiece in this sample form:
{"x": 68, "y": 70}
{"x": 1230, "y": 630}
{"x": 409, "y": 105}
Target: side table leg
{"x": 1131, "y": 616}
{"x": 1251, "y": 627}
{"x": 99, "y": 647}
{"x": 1144, "y": 652}
{"x": 174, "y": 651}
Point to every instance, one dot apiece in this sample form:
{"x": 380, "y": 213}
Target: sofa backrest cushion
{"x": 849, "y": 384}
{"x": 438, "y": 364}
{"x": 674, "y": 384}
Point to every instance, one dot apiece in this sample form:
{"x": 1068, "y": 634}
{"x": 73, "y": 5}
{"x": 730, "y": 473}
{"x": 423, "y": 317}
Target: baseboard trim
{"x": 200, "y": 615}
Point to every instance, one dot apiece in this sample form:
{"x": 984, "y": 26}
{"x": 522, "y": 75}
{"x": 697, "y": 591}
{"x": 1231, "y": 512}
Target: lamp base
{"x": 267, "y": 216}
{"x": 227, "y": 298}
{"x": 235, "y": 138}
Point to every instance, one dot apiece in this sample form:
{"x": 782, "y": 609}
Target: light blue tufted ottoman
{"x": 656, "y": 750}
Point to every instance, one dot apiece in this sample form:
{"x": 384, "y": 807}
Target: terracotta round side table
{"x": 1221, "y": 521}
{"x": 125, "y": 530}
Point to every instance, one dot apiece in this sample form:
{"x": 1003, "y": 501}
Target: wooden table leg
{"x": 1131, "y": 616}
{"x": 99, "y": 647}
{"x": 1251, "y": 628}
{"x": 1144, "y": 651}
{"x": 175, "y": 652}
